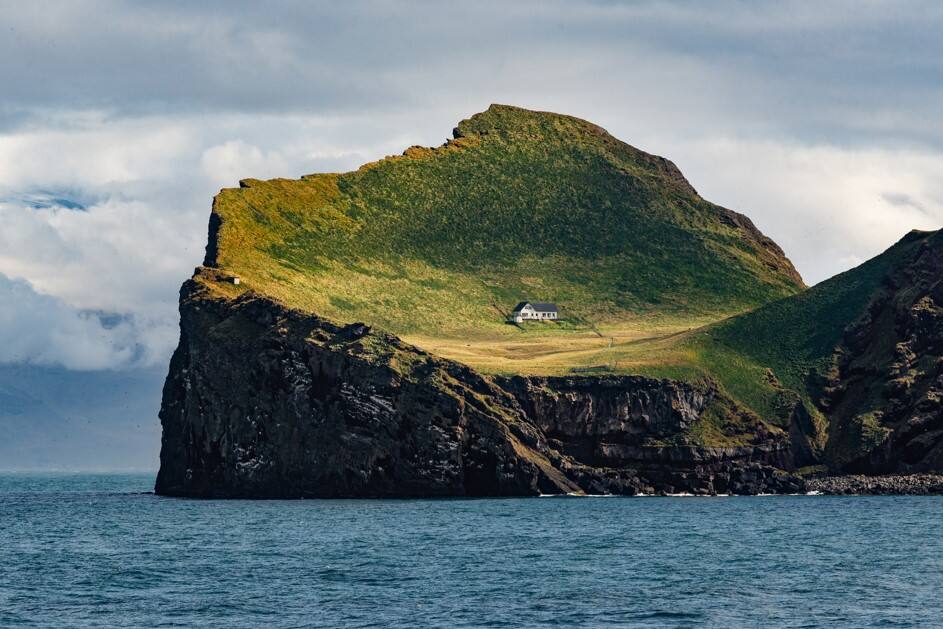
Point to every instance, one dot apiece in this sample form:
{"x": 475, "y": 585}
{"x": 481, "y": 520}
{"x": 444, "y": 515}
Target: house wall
{"x": 529, "y": 314}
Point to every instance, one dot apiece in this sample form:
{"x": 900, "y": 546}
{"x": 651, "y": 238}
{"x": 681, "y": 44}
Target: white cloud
{"x": 41, "y": 330}
{"x": 226, "y": 163}
{"x": 93, "y": 152}
{"x": 829, "y": 207}
{"x": 146, "y": 186}
{"x": 819, "y": 123}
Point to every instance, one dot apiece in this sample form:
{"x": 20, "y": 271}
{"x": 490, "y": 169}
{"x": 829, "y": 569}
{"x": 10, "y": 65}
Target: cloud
{"x": 116, "y": 255}
{"x": 821, "y": 123}
{"x": 835, "y": 72}
{"x": 829, "y": 207}
{"x": 110, "y": 215}
{"x": 42, "y": 330}
{"x": 230, "y": 161}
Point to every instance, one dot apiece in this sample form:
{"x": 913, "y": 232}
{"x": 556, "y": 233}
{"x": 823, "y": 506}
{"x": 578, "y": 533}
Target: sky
{"x": 119, "y": 121}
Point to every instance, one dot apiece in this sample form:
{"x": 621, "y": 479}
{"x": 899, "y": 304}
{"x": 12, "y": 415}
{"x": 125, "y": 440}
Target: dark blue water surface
{"x": 82, "y": 550}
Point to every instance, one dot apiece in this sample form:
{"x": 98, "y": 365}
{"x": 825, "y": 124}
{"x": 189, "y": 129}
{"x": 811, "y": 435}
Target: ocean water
{"x": 99, "y": 550}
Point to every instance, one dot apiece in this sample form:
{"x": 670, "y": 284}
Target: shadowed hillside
{"x": 861, "y": 351}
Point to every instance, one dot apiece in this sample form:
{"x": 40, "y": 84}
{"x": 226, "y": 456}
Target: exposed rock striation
{"x": 267, "y": 401}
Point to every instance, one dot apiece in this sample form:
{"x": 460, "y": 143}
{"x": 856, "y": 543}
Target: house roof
{"x": 538, "y": 306}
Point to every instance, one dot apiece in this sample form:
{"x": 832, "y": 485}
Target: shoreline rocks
{"x": 896, "y": 484}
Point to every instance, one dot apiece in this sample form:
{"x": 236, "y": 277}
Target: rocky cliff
{"x": 268, "y": 401}
{"x": 264, "y": 400}
{"x": 884, "y": 395}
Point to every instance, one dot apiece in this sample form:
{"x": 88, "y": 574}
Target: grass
{"x": 546, "y": 348}
{"x": 434, "y": 245}
{"x": 767, "y": 360}
{"x": 759, "y": 356}
{"x": 793, "y": 339}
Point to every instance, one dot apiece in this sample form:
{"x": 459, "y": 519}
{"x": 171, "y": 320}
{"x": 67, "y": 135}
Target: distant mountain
{"x": 56, "y": 419}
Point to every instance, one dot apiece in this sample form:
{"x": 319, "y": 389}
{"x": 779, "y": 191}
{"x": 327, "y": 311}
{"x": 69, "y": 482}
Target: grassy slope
{"x": 436, "y": 244}
{"x": 793, "y": 338}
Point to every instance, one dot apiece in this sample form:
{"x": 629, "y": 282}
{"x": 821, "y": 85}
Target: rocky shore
{"x": 911, "y": 484}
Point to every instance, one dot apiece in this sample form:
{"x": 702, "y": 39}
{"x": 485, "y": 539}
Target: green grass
{"x": 438, "y": 242}
{"x": 769, "y": 357}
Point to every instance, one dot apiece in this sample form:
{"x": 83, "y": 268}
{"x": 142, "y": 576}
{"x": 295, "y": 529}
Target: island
{"x": 356, "y": 335}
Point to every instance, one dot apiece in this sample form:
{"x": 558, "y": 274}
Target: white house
{"x": 533, "y": 311}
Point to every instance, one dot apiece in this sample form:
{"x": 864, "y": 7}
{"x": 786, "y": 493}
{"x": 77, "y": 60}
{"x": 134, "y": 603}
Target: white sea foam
{"x": 678, "y": 495}
{"x": 579, "y": 495}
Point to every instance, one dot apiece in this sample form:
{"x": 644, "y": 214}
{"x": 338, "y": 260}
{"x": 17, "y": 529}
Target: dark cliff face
{"x": 263, "y": 401}
{"x": 885, "y": 395}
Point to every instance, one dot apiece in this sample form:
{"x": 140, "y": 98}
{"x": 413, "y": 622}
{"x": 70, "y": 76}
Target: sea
{"x": 101, "y": 550}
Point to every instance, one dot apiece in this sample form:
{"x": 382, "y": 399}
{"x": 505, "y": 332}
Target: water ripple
{"x": 84, "y": 551}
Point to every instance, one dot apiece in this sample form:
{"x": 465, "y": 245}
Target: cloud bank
{"x": 42, "y": 330}
{"x": 120, "y": 120}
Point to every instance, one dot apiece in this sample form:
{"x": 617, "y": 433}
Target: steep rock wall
{"x": 885, "y": 395}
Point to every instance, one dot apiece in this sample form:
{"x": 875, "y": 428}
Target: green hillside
{"x": 779, "y": 353}
{"x": 437, "y": 244}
